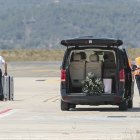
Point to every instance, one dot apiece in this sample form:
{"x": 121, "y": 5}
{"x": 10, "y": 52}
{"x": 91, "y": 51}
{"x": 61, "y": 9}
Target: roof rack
{"x": 88, "y": 41}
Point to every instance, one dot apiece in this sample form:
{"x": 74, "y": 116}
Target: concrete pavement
{"x": 35, "y": 112}
{"x": 35, "y": 115}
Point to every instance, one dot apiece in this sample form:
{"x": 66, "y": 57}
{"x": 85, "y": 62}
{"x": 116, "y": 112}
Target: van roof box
{"x": 89, "y": 41}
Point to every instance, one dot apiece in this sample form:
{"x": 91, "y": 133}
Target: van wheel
{"x": 123, "y": 106}
{"x": 72, "y": 105}
{"x": 130, "y": 104}
{"x": 64, "y": 106}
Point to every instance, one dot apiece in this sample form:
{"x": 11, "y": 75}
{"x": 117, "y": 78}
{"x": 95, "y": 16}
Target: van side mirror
{"x": 134, "y": 67}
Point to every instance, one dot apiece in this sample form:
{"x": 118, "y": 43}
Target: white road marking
{"x": 8, "y": 113}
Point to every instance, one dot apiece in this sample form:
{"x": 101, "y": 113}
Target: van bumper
{"x": 82, "y": 99}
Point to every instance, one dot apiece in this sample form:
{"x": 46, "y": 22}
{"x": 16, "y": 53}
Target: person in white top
{"x": 2, "y": 63}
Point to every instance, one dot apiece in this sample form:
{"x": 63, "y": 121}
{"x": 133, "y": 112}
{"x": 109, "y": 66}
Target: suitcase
{"x": 8, "y": 87}
{"x": 11, "y": 97}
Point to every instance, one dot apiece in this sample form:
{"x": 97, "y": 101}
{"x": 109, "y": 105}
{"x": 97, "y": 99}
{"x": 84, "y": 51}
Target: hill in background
{"x": 43, "y": 23}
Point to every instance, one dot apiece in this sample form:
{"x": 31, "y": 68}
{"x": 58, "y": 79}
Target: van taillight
{"x": 63, "y": 75}
{"x": 122, "y": 75}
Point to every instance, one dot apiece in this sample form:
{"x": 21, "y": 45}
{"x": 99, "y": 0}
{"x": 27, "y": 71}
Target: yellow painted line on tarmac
{"x": 53, "y": 81}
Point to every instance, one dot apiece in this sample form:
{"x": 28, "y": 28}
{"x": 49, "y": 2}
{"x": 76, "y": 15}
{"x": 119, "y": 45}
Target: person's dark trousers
{"x": 1, "y": 89}
{"x": 138, "y": 82}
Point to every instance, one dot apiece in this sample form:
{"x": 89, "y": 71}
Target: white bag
{"x": 107, "y": 85}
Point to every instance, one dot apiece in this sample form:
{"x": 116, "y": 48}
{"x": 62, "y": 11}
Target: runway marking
{"x": 51, "y": 98}
{"x": 40, "y": 80}
{"x": 55, "y": 100}
{"x": 6, "y": 112}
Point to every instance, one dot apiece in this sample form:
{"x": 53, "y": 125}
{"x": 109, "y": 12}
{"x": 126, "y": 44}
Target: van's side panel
{"x": 129, "y": 83}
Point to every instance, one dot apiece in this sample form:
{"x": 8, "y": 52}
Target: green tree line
{"x": 43, "y": 23}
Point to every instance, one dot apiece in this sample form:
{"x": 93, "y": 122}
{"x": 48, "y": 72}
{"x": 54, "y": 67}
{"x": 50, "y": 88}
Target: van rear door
{"x": 129, "y": 82}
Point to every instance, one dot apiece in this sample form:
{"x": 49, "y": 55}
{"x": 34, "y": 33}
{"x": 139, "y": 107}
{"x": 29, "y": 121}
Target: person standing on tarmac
{"x": 137, "y": 73}
{"x": 2, "y": 63}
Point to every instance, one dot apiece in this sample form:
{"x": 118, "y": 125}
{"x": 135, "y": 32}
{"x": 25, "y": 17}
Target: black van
{"x": 106, "y": 59}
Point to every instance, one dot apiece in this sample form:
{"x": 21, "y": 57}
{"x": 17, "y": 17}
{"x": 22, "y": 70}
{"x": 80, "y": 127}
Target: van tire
{"x": 130, "y": 103}
{"x": 123, "y": 106}
{"x": 64, "y": 106}
{"x": 72, "y": 105}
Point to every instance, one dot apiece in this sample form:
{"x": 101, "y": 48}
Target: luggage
{"x": 107, "y": 85}
{"x": 8, "y": 87}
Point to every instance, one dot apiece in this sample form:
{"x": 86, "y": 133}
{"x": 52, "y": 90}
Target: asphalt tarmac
{"x": 35, "y": 112}
{"x": 34, "y": 69}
